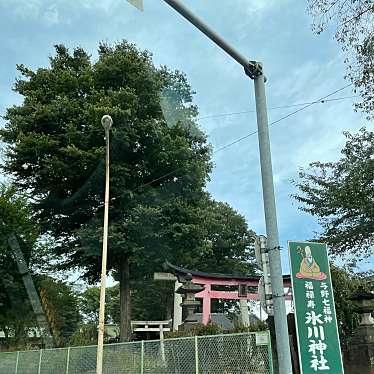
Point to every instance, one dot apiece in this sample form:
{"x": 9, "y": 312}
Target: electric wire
{"x": 276, "y": 107}
{"x": 307, "y": 105}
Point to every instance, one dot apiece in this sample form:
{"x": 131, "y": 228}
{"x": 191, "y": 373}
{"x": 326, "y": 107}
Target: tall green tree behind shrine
{"x": 55, "y": 151}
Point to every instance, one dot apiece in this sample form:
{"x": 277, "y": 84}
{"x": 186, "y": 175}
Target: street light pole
{"x": 254, "y": 70}
{"x": 107, "y": 122}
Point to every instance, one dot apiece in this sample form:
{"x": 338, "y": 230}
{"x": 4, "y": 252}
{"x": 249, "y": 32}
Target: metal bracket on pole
{"x": 253, "y": 69}
{"x": 276, "y": 248}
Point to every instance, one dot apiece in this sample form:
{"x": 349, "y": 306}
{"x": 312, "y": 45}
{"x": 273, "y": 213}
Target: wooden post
{"x": 206, "y": 305}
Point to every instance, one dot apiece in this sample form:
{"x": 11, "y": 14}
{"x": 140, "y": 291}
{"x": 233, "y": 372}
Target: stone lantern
{"x": 188, "y": 290}
{"x": 360, "y": 355}
{"x": 365, "y": 306}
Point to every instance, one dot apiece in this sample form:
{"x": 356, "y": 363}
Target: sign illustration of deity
{"x": 309, "y": 268}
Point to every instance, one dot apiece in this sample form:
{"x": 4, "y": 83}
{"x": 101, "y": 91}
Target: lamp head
{"x": 107, "y": 122}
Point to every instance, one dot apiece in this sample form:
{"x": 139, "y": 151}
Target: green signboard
{"x": 317, "y": 332}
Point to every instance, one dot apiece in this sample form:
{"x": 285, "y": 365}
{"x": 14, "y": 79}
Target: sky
{"x": 300, "y": 67}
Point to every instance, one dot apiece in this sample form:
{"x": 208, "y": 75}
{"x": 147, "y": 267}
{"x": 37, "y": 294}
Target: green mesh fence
{"x": 216, "y": 354}
{"x": 8, "y": 362}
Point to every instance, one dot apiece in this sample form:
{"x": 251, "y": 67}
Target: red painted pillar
{"x": 206, "y": 305}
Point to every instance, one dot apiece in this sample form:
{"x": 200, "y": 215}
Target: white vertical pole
{"x": 196, "y": 356}
{"x": 162, "y": 342}
{"x": 177, "y": 314}
{"x": 142, "y": 358}
{"x": 244, "y": 313}
{"x": 107, "y": 123}
{"x": 17, "y": 360}
{"x": 40, "y": 361}
{"x": 68, "y": 361}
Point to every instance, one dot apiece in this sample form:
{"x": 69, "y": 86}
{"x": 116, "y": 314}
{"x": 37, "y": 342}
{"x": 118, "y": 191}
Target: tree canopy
{"x": 354, "y": 31}
{"x": 341, "y": 195}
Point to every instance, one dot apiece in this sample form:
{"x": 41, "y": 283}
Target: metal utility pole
{"x": 279, "y": 306}
{"x": 107, "y": 122}
{"x": 254, "y": 70}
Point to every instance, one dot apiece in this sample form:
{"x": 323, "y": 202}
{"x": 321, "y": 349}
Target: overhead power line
{"x": 306, "y": 105}
{"x": 276, "y": 107}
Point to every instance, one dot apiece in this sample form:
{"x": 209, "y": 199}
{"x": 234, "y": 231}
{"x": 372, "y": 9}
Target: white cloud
{"x": 51, "y": 16}
{"x": 26, "y": 9}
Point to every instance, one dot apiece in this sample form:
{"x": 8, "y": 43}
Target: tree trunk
{"x": 125, "y": 301}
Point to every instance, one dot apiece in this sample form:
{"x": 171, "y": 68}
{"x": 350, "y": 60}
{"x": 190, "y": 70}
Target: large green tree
{"x": 228, "y": 239}
{"x": 341, "y": 195}
{"x": 56, "y": 147}
{"x": 89, "y": 304}
{"x": 353, "y": 21}
{"x": 229, "y": 249}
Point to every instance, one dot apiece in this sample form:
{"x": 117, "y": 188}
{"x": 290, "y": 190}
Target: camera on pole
{"x": 264, "y": 284}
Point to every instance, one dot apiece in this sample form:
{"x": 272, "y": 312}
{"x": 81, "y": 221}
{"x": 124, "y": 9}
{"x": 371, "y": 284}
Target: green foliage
{"x": 258, "y": 326}
{"x": 228, "y": 240}
{"x": 16, "y": 218}
{"x": 213, "y": 329}
{"x": 345, "y": 284}
{"x": 63, "y": 306}
{"x": 341, "y": 195}
{"x": 89, "y": 304}
{"x": 86, "y": 334}
{"x": 353, "y": 21}
{"x": 16, "y": 316}
{"x": 152, "y": 300}
{"x": 55, "y": 150}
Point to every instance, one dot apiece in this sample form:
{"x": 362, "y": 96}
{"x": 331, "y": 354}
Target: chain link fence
{"x": 246, "y": 353}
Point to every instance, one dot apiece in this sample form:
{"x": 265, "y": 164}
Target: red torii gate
{"x": 208, "y": 280}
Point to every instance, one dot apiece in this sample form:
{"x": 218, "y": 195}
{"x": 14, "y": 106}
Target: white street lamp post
{"x": 107, "y": 122}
